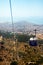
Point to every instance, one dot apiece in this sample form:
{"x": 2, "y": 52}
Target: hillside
{"x": 20, "y": 52}
{"x": 40, "y": 36}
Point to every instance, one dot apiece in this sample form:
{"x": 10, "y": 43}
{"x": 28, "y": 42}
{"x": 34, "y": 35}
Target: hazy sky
{"x": 28, "y": 10}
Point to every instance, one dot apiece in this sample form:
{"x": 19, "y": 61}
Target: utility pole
{"x": 35, "y": 32}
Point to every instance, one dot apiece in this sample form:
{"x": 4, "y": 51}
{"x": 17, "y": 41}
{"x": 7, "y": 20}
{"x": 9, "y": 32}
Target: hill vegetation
{"x": 20, "y": 52}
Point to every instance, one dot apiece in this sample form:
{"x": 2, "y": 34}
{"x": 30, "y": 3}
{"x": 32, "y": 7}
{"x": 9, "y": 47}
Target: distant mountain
{"x": 22, "y": 26}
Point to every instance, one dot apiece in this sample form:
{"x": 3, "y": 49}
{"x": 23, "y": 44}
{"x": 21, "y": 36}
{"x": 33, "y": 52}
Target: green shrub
{"x": 14, "y": 63}
{"x": 23, "y": 37}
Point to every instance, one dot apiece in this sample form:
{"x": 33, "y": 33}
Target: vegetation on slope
{"x": 23, "y": 54}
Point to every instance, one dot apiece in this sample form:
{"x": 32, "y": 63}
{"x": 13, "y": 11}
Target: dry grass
{"x": 27, "y": 53}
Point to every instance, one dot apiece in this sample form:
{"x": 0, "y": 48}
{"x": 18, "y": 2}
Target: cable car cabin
{"x": 33, "y": 41}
